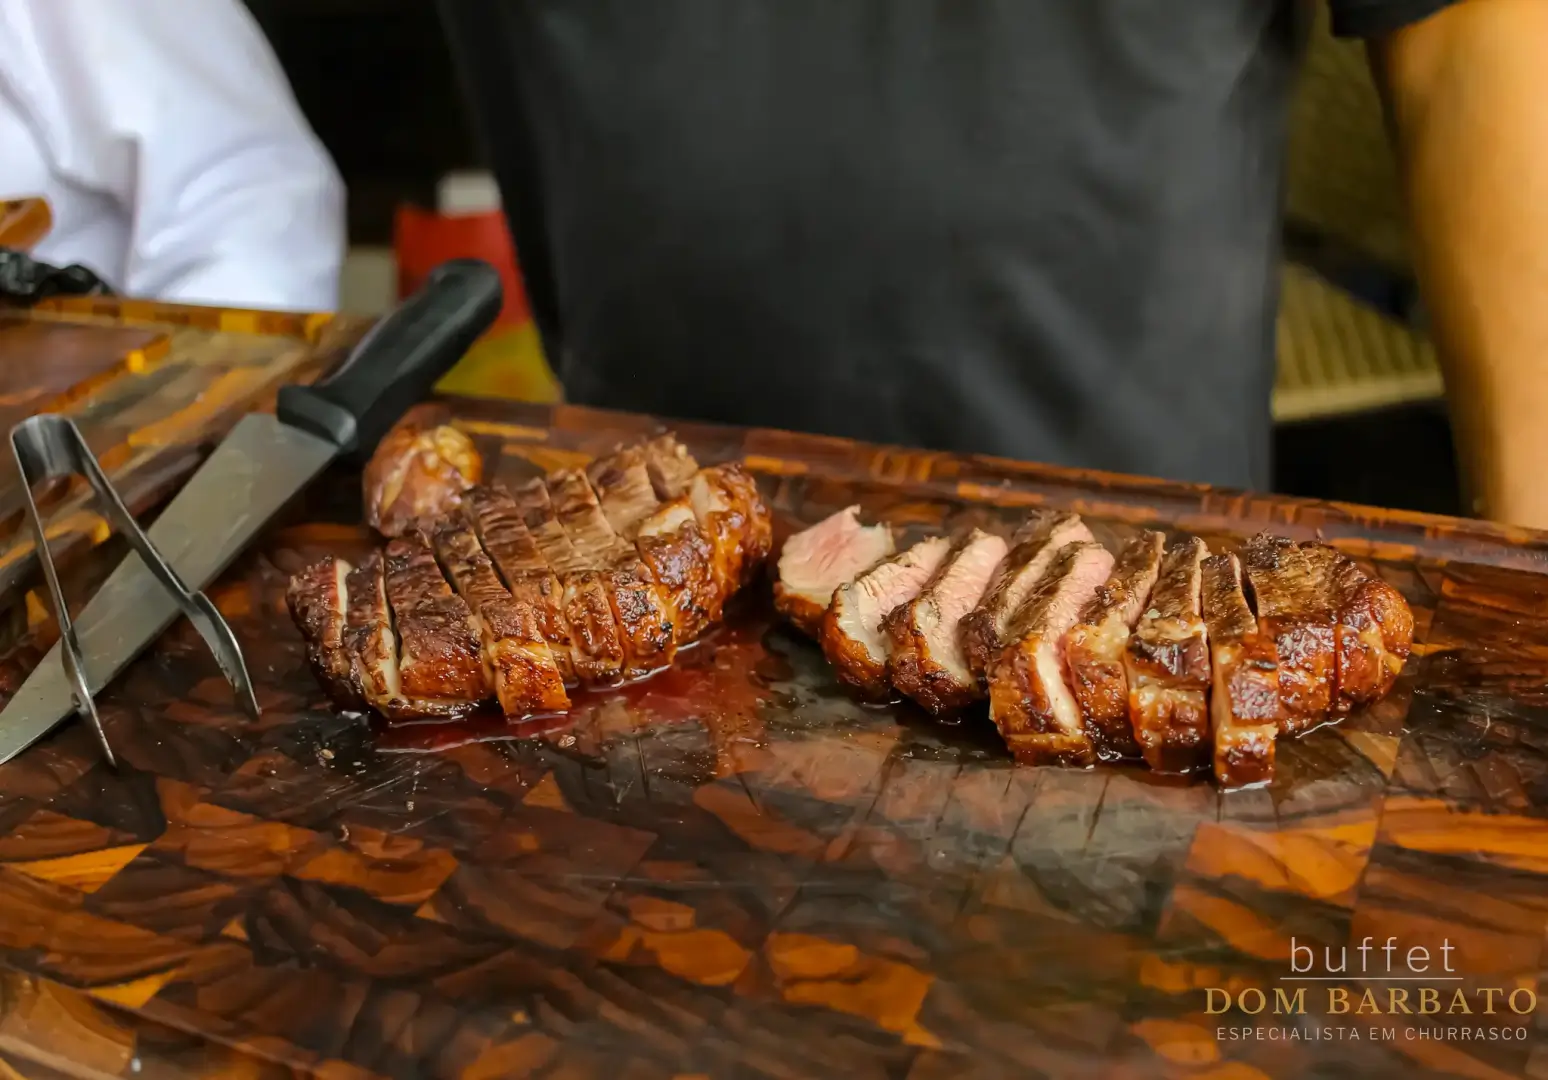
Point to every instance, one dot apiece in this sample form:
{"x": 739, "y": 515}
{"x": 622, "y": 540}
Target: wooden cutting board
{"x": 152, "y": 387}
{"x": 734, "y": 870}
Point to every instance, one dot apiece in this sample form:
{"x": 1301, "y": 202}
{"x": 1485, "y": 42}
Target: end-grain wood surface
{"x": 733, "y": 870}
{"x": 152, "y": 387}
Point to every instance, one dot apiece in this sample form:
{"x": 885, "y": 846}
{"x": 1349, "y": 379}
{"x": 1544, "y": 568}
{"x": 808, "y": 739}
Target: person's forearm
{"x": 1468, "y": 93}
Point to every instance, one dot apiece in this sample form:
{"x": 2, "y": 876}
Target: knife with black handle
{"x": 258, "y": 467}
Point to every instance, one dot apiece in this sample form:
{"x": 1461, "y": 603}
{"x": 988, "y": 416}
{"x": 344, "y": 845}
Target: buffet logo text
{"x": 1375, "y": 978}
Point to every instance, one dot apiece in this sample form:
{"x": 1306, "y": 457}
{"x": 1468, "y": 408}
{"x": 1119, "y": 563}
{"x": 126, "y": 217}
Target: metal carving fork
{"x": 49, "y": 447}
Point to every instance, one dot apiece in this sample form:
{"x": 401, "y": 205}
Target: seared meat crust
{"x": 1245, "y": 710}
{"x": 1033, "y": 550}
{"x": 419, "y": 472}
{"x": 582, "y": 577}
{"x": 852, "y": 636}
{"x": 1297, "y": 604}
{"x": 928, "y": 662}
{"x": 1029, "y": 698}
{"x": 1096, "y": 644}
{"x": 1167, "y": 665}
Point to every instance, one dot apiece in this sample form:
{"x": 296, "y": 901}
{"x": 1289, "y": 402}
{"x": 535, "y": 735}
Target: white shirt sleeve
{"x": 178, "y": 111}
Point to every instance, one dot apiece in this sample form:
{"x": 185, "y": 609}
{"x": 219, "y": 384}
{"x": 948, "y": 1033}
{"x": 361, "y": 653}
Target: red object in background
{"x": 423, "y": 240}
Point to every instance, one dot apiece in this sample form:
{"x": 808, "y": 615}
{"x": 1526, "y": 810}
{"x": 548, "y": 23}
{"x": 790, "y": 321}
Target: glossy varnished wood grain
{"x": 152, "y": 387}
{"x": 734, "y": 870}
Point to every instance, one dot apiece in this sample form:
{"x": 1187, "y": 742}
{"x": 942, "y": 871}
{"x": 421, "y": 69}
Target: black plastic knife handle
{"x": 398, "y": 361}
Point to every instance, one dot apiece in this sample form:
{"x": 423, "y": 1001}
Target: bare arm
{"x": 1467, "y": 90}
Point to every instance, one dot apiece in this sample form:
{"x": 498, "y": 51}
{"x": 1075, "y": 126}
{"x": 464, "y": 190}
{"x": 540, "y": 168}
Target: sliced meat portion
{"x": 928, "y": 662}
{"x": 646, "y": 619}
{"x": 580, "y": 514}
{"x": 1375, "y": 630}
{"x": 372, "y": 645}
{"x": 418, "y": 472}
{"x": 517, "y": 660}
{"x": 1032, "y": 552}
{"x": 318, "y": 598}
{"x": 440, "y": 661}
{"x": 622, "y": 483}
{"x": 542, "y": 523}
{"x": 681, "y": 560}
{"x": 1167, "y": 665}
{"x": 852, "y": 636}
{"x": 1097, "y": 642}
{"x": 671, "y": 466}
{"x": 1029, "y": 700}
{"x": 497, "y": 520}
{"x": 1297, "y": 603}
{"x": 816, "y": 561}
{"x": 740, "y": 529}
{"x": 1244, "y": 703}
{"x": 597, "y": 650}
{"x": 641, "y": 608}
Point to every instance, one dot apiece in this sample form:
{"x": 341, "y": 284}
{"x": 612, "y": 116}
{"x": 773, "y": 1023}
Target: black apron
{"x": 1039, "y": 229}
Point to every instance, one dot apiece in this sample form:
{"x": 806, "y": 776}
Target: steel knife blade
{"x": 255, "y": 471}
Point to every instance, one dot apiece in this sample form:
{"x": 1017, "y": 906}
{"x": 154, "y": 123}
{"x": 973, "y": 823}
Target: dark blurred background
{"x": 1357, "y": 401}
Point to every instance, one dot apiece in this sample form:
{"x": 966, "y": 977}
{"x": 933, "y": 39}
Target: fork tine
{"x": 75, "y": 669}
{"x": 217, "y": 634}
{"x": 49, "y": 446}
{"x": 38, "y": 448}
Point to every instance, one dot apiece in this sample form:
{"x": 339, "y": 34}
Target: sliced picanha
{"x": 927, "y": 662}
{"x": 318, "y": 598}
{"x": 816, "y": 561}
{"x": 1096, "y": 645}
{"x": 640, "y": 607}
{"x": 517, "y": 660}
{"x": 1029, "y": 700}
{"x": 1297, "y": 603}
{"x": 1244, "y": 700}
{"x": 1032, "y": 552}
{"x": 852, "y": 636}
{"x": 1167, "y": 665}
{"x": 440, "y": 660}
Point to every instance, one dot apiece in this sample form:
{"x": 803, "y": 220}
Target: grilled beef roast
{"x": 1374, "y": 636}
{"x": 1167, "y": 664}
{"x": 1032, "y": 552}
{"x": 440, "y": 659}
{"x": 597, "y": 648}
{"x": 318, "y": 598}
{"x": 816, "y": 561}
{"x": 517, "y": 660}
{"x": 725, "y": 499}
{"x": 1160, "y": 654}
{"x": 1244, "y": 706}
{"x": 587, "y": 577}
{"x": 928, "y": 662}
{"x": 418, "y": 472}
{"x": 578, "y": 578}
{"x": 640, "y": 608}
{"x": 1029, "y": 697}
{"x": 622, "y": 483}
{"x": 496, "y": 518}
{"x": 1097, "y": 642}
{"x": 671, "y": 467}
{"x": 372, "y": 645}
{"x": 852, "y": 636}
{"x": 679, "y": 555}
{"x": 1297, "y": 604}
